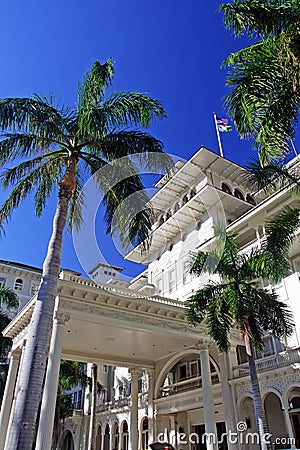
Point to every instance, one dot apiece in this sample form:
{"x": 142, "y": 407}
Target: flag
{"x": 223, "y": 126}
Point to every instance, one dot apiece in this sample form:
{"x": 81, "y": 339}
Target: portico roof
{"x": 114, "y": 326}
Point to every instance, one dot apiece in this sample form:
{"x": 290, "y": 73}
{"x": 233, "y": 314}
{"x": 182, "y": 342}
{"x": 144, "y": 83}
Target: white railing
{"x": 122, "y": 403}
{"x": 283, "y": 359}
{"x": 186, "y": 385}
{"x": 123, "y": 292}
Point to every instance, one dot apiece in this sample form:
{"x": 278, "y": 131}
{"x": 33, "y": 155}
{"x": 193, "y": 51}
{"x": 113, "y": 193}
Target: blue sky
{"x": 170, "y": 49}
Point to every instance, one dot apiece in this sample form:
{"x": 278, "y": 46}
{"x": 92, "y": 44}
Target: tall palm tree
{"x": 264, "y": 77}
{"x": 8, "y": 299}
{"x": 71, "y": 374}
{"x": 53, "y": 145}
{"x": 237, "y": 301}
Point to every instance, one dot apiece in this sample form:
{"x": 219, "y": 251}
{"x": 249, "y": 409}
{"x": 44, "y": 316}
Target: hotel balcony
{"x": 276, "y": 361}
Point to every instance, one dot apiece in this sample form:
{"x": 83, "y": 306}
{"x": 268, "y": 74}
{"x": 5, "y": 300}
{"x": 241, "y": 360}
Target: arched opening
{"x": 124, "y": 435}
{"x": 238, "y": 194}
{"x": 68, "y": 442}
{"x": 160, "y": 221}
{"x": 226, "y": 188}
{"x": 185, "y": 199}
{"x": 192, "y": 193}
{"x": 250, "y": 199}
{"x": 275, "y": 417}
{"x": 168, "y": 215}
{"x": 294, "y": 413}
{"x": 99, "y": 438}
{"x": 185, "y": 375}
{"x": 144, "y": 431}
{"x": 18, "y": 286}
{"x": 247, "y": 415}
{"x": 176, "y": 207}
{"x": 116, "y": 436}
{"x": 106, "y": 438}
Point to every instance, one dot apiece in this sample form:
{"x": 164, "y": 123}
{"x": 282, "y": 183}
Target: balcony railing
{"x": 284, "y": 359}
{"x": 186, "y": 385}
{"x": 122, "y": 403}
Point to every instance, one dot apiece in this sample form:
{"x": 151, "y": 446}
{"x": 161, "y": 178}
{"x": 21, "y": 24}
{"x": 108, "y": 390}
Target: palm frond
{"x": 91, "y": 90}
{"x": 256, "y": 18}
{"x": 147, "y": 149}
{"x": 123, "y": 109}
{"x": 8, "y": 298}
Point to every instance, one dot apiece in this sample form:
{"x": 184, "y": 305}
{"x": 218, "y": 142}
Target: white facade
{"x": 163, "y": 378}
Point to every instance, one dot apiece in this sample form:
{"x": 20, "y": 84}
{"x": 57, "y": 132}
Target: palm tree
{"x": 53, "y": 146}
{"x": 8, "y": 299}
{"x": 280, "y": 230}
{"x": 237, "y": 301}
{"x": 264, "y": 77}
{"x": 71, "y": 374}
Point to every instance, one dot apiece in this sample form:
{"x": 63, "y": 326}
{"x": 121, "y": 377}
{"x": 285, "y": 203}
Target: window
{"x": 183, "y": 371}
{"x": 34, "y": 289}
{"x": 241, "y": 354}
{"x": 238, "y": 194}
{"x": 186, "y": 272}
{"x": 105, "y": 272}
{"x": 2, "y": 281}
{"x": 145, "y": 434}
{"x": 159, "y": 286}
{"x": 172, "y": 280}
{"x": 250, "y": 199}
{"x": 194, "y": 368}
{"x": 18, "y": 284}
{"x": 225, "y": 188}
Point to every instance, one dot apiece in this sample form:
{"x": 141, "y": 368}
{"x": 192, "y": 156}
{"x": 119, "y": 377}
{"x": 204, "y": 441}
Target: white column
{"x": 151, "y": 431}
{"x": 134, "y": 434}
{"x": 208, "y": 400}
{"x": 289, "y": 428}
{"x": 6, "y": 407}
{"x": 44, "y": 436}
{"x": 229, "y": 411}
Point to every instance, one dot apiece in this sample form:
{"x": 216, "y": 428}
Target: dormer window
{"x": 250, "y": 199}
{"x": 226, "y": 188}
{"x": 238, "y": 194}
{"x": 18, "y": 284}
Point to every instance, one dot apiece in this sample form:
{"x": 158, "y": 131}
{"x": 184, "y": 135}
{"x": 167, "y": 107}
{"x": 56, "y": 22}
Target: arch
{"x": 144, "y": 427}
{"x": 293, "y": 397}
{"x": 106, "y": 437}
{"x": 226, "y": 188}
{"x": 185, "y": 199}
{"x": 238, "y": 194}
{"x": 67, "y": 440}
{"x": 99, "y": 437}
{"x": 173, "y": 361}
{"x": 250, "y": 199}
{"x": 18, "y": 285}
{"x": 290, "y": 390}
{"x": 274, "y": 415}
{"x": 176, "y": 207}
{"x": 169, "y": 214}
{"x": 161, "y": 220}
{"x": 124, "y": 435}
{"x": 192, "y": 192}
{"x": 246, "y": 411}
{"x": 276, "y": 392}
{"x": 115, "y": 435}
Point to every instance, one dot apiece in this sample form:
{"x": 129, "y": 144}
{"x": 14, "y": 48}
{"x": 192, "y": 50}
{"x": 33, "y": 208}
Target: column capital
{"x": 61, "y": 318}
{"x": 205, "y": 344}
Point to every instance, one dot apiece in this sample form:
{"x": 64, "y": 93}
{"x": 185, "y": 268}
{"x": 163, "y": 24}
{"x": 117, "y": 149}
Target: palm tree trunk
{"x": 92, "y": 430}
{"x": 258, "y": 406}
{"x": 30, "y": 379}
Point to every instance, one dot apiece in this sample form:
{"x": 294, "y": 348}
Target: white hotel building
{"x": 161, "y": 375}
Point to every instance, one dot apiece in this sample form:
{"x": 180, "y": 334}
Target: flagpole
{"x": 218, "y": 135}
